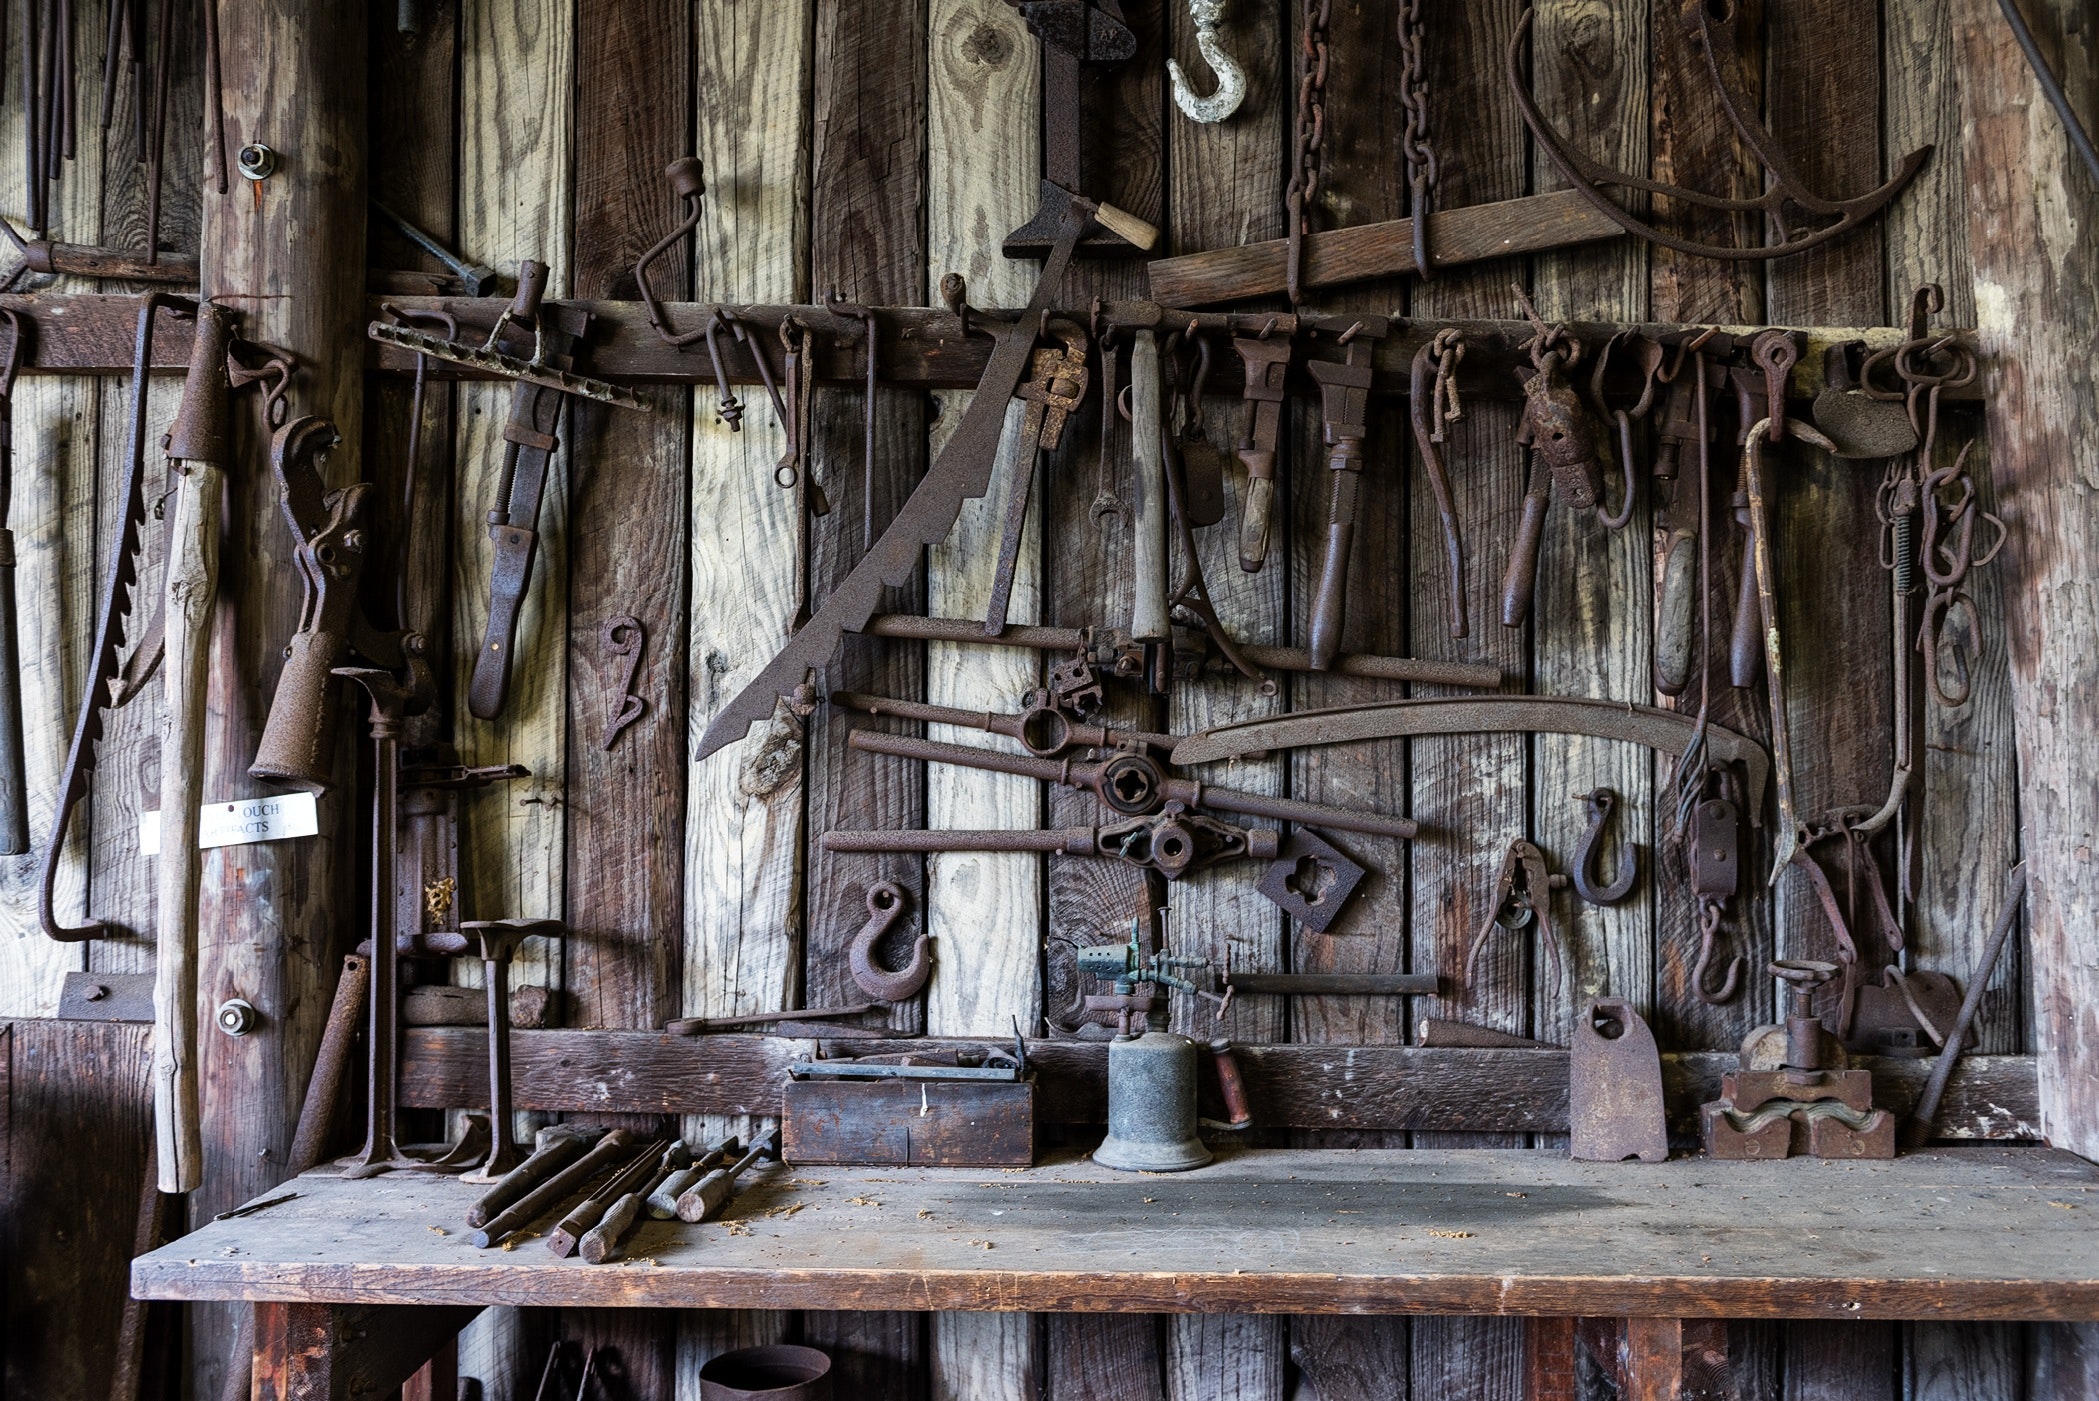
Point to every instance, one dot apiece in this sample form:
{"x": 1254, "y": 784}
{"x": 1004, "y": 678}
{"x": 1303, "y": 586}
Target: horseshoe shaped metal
{"x": 1787, "y": 195}
{"x": 1231, "y": 78}
{"x": 1602, "y": 803}
{"x": 886, "y": 903}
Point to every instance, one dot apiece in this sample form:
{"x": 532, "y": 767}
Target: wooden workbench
{"x": 1982, "y": 1233}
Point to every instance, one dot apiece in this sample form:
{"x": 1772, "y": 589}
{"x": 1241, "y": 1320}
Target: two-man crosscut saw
{"x": 961, "y": 473}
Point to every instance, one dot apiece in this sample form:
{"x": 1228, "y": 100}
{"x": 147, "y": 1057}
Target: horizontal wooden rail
{"x": 1302, "y": 1087}
{"x": 920, "y": 348}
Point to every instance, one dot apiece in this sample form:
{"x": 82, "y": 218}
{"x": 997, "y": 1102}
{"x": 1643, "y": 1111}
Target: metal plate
{"x": 1310, "y": 880}
{"x": 107, "y": 997}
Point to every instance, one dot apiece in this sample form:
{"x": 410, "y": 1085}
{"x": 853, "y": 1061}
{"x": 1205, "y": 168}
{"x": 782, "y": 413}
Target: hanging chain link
{"x": 1414, "y": 144}
{"x": 1310, "y": 141}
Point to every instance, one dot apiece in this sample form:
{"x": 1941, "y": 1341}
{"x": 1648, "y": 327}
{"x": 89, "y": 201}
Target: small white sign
{"x": 270, "y": 819}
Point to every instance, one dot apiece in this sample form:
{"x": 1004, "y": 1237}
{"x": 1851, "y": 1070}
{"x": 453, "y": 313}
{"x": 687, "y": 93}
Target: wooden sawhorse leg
{"x": 346, "y": 1352}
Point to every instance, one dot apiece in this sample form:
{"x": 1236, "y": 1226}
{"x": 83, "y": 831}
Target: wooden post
{"x": 288, "y": 254}
{"x": 2036, "y": 284}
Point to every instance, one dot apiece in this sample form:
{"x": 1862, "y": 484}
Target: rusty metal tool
{"x": 962, "y": 472}
{"x": 1173, "y": 842}
{"x": 565, "y": 1237}
{"x": 688, "y": 182}
{"x": 607, "y": 1151}
{"x": 1344, "y": 388}
{"x": 1042, "y": 729}
{"x": 1794, "y": 1089}
{"x": 1134, "y": 975}
{"x": 704, "y": 1198}
{"x": 1116, "y": 652}
{"x": 475, "y": 279}
{"x": 495, "y": 943}
{"x": 1432, "y": 405}
{"x": 1134, "y": 785}
{"x": 1333, "y": 984}
{"x": 2051, "y": 88}
{"x": 1773, "y": 355}
{"x": 529, "y": 439}
{"x": 1786, "y": 202}
{"x": 107, "y": 684}
{"x": 392, "y": 700}
{"x": 1663, "y": 730}
{"x": 14, "y": 775}
{"x": 1522, "y": 899}
{"x": 1055, "y": 388}
{"x": 1712, "y": 850}
{"x": 1916, "y": 1130}
{"x": 553, "y": 1149}
{"x": 1566, "y": 446}
{"x": 1602, "y": 803}
{"x": 662, "y": 1201}
{"x": 324, "y": 1087}
{"x": 1615, "y": 1109}
{"x": 623, "y": 639}
{"x": 333, "y": 528}
{"x": 1076, "y": 35}
{"x": 1791, "y": 828}
{"x": 1311, "y": 880}
{"x": 887, "y": 903}
{"x": 1265, "y": 357}
{"x": 870, "y": 336}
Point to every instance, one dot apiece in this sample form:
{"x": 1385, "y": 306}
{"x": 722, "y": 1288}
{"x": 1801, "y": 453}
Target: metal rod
{"x": 1918, "y": 1129}
{"x": 2050, "y": 88}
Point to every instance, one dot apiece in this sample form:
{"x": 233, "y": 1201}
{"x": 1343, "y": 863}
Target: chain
{"x": 1414, "y": 140}
{"x": 1449, "y": 349}
{"x": 1310, "y": 141}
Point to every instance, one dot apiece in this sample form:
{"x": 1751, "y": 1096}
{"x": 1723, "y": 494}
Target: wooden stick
{"x": 1527, "y": 225}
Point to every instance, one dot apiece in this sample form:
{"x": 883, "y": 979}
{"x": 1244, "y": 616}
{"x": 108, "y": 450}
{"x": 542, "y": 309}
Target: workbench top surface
{"x": 1984, "y": 1233}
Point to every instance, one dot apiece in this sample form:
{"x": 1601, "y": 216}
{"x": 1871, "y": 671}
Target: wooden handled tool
{"x": 197, "y": 449}
{"x": 591, "y": 1210}
{"x": 605, "y": 1240}
{"x": 663, "y": 1197}
{"x": 14, "y": 777}
{"x": 554, "y": 1149}
{"x": 1148, "y": 619}
{"x": 556, "y": 1189}
{"x": 707, "y": 1196}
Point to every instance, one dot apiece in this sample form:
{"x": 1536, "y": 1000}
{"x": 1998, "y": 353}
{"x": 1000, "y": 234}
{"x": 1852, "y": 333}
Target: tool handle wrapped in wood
{"x": 603, "y": 1241}
{"x": 705, "y": 1197}
{"x": 554, "y": 1190}
{"x": 564, "y": 1238}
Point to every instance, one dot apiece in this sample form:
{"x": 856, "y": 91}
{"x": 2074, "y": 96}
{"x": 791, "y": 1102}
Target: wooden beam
{"x": 1503, "y": 229}
{"x": 1339, "y": 1086}
{"x": 2036, "y": 288}
{"x": 347, "y": 1352}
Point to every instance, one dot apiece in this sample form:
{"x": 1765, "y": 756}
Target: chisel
{"x": 554, "y": 1190}
{"x": 705, "y": 1197}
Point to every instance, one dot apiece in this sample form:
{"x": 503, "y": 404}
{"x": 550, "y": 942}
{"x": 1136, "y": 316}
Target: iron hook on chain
{"x": 1231, "y": 78}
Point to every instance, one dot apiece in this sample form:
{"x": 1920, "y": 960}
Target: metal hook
{"x": 1602, "y": 803}
{"x": 885, "y": 906}
{"x": 1231, "y": 78}
{"x": 1700, "y": 981}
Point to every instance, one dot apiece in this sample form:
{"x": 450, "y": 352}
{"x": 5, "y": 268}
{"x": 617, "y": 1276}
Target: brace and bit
{"x": 886, "y": 904}
{"x": 1231, "y": 78}
{"x": 1602, "y": 803}
{"x": 689, "y": 183}
{"x": 1522, "y": 899}
{"x": 1434, "y": 407}
{"x": 1345, "y": 422}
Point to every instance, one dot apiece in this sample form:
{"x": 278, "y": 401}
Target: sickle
{"x": 886, "y": 903}
{"x": 1602, "y": 803}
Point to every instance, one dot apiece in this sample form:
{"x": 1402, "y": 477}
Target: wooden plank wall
{"x": 871, "y": 146}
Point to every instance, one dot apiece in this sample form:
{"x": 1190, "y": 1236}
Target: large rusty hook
{"x": 886, "y": 903}
{"x": 1602, "y": 802}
